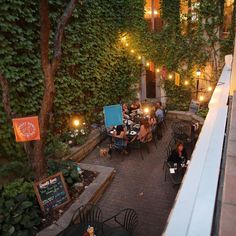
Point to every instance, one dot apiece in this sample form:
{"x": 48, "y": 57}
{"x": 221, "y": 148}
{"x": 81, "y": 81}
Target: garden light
{"x": 198, "y": 73}
{"x": 76, "y": 122}
{"x": 201, "y": 98}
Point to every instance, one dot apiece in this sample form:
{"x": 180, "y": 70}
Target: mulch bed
{"x": 74, "y": 193}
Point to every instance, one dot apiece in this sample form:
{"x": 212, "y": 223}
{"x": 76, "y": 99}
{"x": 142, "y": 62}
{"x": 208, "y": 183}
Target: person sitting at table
{"x": 178, "y": 155}
{"x": 135, "y": 105}
{"x": 152, "y": 122}
{"x": 120, "y": 140}
{"x": 125, "y": 111}
{"x": 145, "y": 133}
{"x": 159, "y": 112}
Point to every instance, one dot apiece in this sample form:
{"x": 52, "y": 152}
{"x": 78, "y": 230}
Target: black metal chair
{"x": 175, "y": 178}
{"x": 115, "y": 147}
{"x": 126, "y": 219}
{"x": 155, "y": 136}
{"x": 88, "y": 215}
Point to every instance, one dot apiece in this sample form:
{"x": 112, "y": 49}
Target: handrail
{"x": 193, "y": 211}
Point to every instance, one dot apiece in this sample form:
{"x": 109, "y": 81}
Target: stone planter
{"x": 79, "y": 153}
{"x": 186, "y": 116}
{"x": 90, "y": 195}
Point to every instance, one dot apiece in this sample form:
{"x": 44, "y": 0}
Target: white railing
{"x": 193, "y": 210}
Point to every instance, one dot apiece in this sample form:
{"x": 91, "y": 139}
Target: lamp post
{"x": 198, "y": 73}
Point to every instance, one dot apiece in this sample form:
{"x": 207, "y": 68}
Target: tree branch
{"x": 5, "y": 96}
{"x": 44, "y": 33}
{"x": 60, "y": 32}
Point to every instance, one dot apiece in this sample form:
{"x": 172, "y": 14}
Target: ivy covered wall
{"x": 96, "y": 69}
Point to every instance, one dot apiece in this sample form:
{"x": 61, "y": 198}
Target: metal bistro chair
{"x": 165, "y": 111}
{"x": 119, "y": 145}
{"x": 127, "y": 221}
{"x": 155, "y": 136}
{"x": 175, "y": 178}
{"x": 88, "y": 215}
{"x": 137, "y": 144}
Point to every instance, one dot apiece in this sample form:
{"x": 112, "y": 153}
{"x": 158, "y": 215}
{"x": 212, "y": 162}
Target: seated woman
{"x": 152, "y": 122}
{"x": 120, "y": 140}
{"x": 178, "y": 155}
{"x": 145, "y": 133}
{"x": 125, "y": 111}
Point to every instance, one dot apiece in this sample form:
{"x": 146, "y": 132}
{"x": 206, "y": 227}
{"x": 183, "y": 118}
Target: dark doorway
{"x": 151, "y": 84}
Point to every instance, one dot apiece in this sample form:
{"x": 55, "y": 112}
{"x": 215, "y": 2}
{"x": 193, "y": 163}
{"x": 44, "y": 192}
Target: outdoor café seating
{"x": 174, "y": 171}
{"x": 89, "y": 217}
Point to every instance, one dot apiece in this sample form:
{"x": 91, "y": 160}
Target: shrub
{"x": 19, "y": 210}
{"x": 68, "y": 169}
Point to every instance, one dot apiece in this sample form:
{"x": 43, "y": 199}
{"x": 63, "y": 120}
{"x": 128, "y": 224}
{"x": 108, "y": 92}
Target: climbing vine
{"x": 96, "y": 69}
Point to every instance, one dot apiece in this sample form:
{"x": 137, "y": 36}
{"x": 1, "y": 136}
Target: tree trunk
{"x": 35, "y": 149}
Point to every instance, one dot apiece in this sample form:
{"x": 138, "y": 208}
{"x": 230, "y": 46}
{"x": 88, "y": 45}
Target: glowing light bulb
{"x": 209, "y": 89}
{"x": 126, "y": 44}
{"x": 186, "y": 82}
{"x": 76, "y": 122}
{"x": 146, "y": 110}
{"x": 157, "y": 70}
{"x": 147, "y": 64}
{"x": 201, "y": 98}
{"x": 170, "y": 76}
{"x": 139, "y": 57}
{"x": 132, "y": 50}
{"x": 123, "y": 38}
{"x": 198, "y": 73}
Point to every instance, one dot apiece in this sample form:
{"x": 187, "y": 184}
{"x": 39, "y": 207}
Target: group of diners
{"x": 138, "y": 126}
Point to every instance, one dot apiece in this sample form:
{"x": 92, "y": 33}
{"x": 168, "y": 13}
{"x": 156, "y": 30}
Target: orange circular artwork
{"x": 26, "y": 129}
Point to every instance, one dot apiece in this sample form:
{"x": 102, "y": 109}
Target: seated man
{"x": 159, "y": 113}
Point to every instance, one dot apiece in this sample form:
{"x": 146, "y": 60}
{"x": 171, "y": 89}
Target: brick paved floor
{"x": 139, "y": 184}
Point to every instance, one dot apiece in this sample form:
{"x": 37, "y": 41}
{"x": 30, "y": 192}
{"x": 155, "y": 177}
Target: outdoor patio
{"x": 139, "y": 184}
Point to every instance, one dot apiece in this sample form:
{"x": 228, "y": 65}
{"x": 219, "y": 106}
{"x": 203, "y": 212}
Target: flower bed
{"x": 20, "y": 213}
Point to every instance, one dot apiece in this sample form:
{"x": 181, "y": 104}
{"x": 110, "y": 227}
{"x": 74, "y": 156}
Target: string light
{"x": 170, "y": 76}
{"x": 157, "y": 70}
{"x": 132, "y": 50}
{"x": 139, "y": 57}
{"x": 201, "y": 98}
{"x": 126, "y": 44}
{"x": 209, "y": 89}
{"x": 147, "y": 64}
{"x": 123, "y": 38}
{"x": 146, "y": 110}
{"x": 186, "y": 82}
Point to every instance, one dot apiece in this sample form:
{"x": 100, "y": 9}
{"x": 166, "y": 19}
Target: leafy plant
{"x": 68, "y": 169}
{"x": 203, "y": 112}
{"x": 19, "y": 210}
{"x": 178, "y": 97}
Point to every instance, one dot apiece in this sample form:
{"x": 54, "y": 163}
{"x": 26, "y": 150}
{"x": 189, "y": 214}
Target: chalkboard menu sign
{"x": 194, "y": 106}
{"x": 52, "y": 192}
